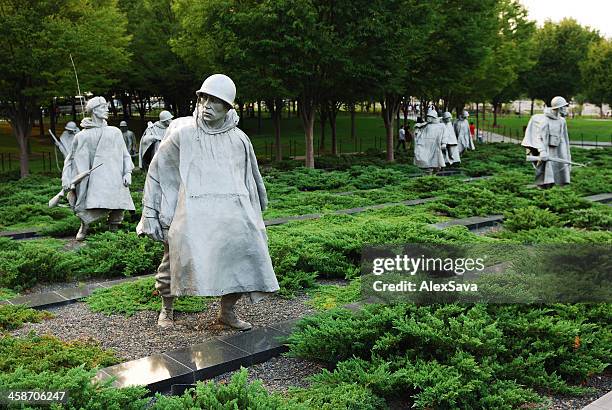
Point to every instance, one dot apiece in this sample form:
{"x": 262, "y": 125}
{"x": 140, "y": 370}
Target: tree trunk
{"x": 353, "y": 133}
{"x": 42, "y": 124}
{"x": 389, "y": 108}
{"x": 307, "y": 109}
{"x": 323, "y": 121}
{"x": 495, "y": 105}
{"x": 258, "y": 116}
{"x": 532, "y": 104}
{"x": 240, "y": 110}
{"x": 278, "y": 108}
{"x": 74, "y": 113}
{"x": 52, "y": 117}
{"x": 333, "y": 114}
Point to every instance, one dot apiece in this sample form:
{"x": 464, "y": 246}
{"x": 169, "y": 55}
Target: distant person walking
{"x": 402, "y": 139}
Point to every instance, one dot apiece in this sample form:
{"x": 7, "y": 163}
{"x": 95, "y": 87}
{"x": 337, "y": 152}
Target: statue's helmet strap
{"x": 220, "y": 86}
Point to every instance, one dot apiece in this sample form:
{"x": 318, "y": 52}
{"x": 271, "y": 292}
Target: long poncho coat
{"x": 464, "y": 138}
{"x": 205, "y": 188}
{"x": 450, "y": 139}
{"x": 428, "y": 145}
{"x": 547, "y": 135}
{"x": 149, "y": 143}
{"x": 103, "y": 188}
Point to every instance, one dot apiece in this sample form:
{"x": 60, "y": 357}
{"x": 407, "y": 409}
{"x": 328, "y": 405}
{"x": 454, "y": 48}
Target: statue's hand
{"x": 150, "y": 227}
{"x": 127, "y": 180}
{"x": 543, "y": 157}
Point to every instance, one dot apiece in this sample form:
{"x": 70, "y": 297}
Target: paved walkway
{"x": 489, "y": 136}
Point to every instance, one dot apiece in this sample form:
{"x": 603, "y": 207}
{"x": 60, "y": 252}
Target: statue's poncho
{"x": 464, "y": 139}
{"x": 450, "y": 139}
{"x": 428, "y": 145}
{"x": 130, "y": 140}
{"x": 149, "y": 143}
{"x": 66, "y": 139}
{"x": 103, "y": 188}
{"x": 204, "y": 184}
{"x": 547, "y": 135}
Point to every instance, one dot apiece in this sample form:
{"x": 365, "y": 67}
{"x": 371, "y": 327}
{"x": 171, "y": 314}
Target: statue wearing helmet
{"x": 104, "y": 191}
{"x": 547, "y": 143}
{"x": 67, "y": 138}
{"x": 451, "y": 155}
{"x": 153, "y": 135}
{"x": 462, "y": 131}
{"x": 429, "y": 146}
{"x": 204, "y": 198}
{"x": 128, "y": 137}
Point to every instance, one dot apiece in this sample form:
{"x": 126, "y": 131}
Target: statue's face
{"x": 166, "y": 123}
{"x": 446, "y": 119}
{"x": 212, "y": 107}
{"x": 563, "y": 111}
{"x": 101, "y": 111}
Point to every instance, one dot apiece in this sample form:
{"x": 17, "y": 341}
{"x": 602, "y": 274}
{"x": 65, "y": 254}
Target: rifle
{"x": 75, "y": 181}
{"x": 59, "y": 144}
{"x": 533, "y": 158}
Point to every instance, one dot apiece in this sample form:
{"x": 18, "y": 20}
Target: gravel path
{"x": 279, "y": 373}
{"x": 138, "y": 336}
{"x": 602, "y": 383}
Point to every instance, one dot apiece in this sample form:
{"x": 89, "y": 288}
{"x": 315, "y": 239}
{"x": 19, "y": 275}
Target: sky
{"x": 594, "y": 13}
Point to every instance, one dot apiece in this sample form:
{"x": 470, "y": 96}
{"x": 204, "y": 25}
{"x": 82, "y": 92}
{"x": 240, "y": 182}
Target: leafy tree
{"x": 596, "y": 75}
{"x": 39, "y": 36}
{"x": 560, "y": 48}
{"x": 510, "y": 57}
{"x": 155, "y": 70}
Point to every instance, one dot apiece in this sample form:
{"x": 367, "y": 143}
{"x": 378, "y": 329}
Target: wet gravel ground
{"x": 279, "y": 373}
{"x": 139, "y": 336}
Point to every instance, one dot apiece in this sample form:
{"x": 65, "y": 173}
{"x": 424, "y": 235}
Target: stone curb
{"x": 602, "y": 403}
{"x": 67, "y": 295}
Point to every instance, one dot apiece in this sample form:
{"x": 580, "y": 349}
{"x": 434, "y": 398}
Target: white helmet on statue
{"x": 165, "y": 115}
{"x": 558, "y": 102}
{"x": 220, "y": 86}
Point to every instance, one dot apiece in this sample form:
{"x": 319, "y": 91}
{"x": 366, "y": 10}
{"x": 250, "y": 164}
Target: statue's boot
{"x": 82, "y": 231}
{"x": 166, "y": 315}
{"x": 227, "y": 315}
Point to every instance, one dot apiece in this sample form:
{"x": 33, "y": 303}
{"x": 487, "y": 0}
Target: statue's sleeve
{"x": 259, "y": 182}
{"x": 128, "y": 165}
{"x": 69, "y": 172}
{"x": 163, "y": 181}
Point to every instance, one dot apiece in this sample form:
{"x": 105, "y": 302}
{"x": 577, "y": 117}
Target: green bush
{"x": 530, "y": 217}
{"x": 596, "y": 217}
{"x": 555, "y": 235}
{"x": 332, "y": 296}
{"x": 237, "y": 394}
{"x": 48, "y": 353}
{"x": 82, "y": 392}
{"x": 13, "y": 317}
{"x": 451, "y": 356}
{"x": 131, "y": 297}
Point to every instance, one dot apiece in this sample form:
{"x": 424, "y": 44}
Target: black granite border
{"x": 183, "y": 367}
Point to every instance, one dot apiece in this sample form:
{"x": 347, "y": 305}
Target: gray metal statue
{"x": 153, "y": 135}
{"x": 462, "y": 130}
{"x": 204, "y": 198}
{"x": 429, "y": 144}
{"x": 128, "y": 137}
{"x": 451, "y": 154}
{"x": 104, "y": 190}
{"x": 547, "y": 143}
{"x": 67, "y": 138}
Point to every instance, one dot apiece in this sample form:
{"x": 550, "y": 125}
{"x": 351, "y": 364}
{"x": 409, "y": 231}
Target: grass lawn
{"x": 370, "y": 133}
{"x": 589, "y": 129}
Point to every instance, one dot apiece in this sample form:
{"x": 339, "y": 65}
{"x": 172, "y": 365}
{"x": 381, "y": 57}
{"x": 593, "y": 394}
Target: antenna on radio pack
{"x": 80, "y": 96}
